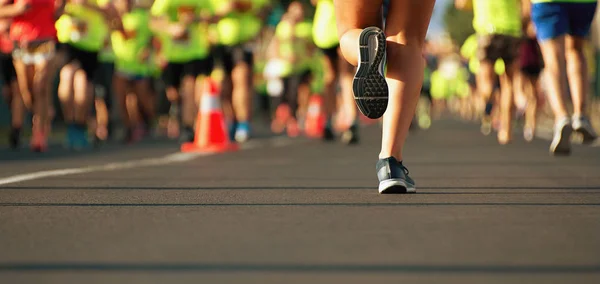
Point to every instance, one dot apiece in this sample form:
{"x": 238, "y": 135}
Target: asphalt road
{"x": 302, "y": 211}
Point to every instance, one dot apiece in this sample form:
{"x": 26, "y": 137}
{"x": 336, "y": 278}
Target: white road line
{"x": 165, "y": 160}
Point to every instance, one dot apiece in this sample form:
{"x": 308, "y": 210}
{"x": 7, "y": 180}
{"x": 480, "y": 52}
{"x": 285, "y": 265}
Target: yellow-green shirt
{"x": 196, "y": 45}
{"x": 239, "y": 27}
{"x": 82, "y": 27}
{"x": 324, "y": 25}
{"x": 497, "y": 17}
{"x": 129, "y": 48}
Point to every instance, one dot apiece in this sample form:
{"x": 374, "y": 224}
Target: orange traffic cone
{"x": 315, "y": 117}
{"x": 211, "y": 131}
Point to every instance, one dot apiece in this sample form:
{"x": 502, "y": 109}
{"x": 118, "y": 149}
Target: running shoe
{"x": 561, "y": 143}
{"x": 39, "y": 141}
{"x": 328, "y": 134}
{"x": 350, "y": 136}
{"x": 528, "y": 133}
{"x": 14, "y": 138}
{"x": 486, "y": 125}
{"x": 369, "y": 85}
{"x": 186, "y": 134}
{"x": 393, "y": 177}
{"x": 242, "y": 132}
{"x": 582, "y": 125}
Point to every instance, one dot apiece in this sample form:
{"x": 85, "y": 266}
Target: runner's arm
{"x": 14, "y": 10}
{"x": 59, "y": 8}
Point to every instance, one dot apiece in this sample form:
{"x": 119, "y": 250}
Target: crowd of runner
{"x": 150, "y": 58}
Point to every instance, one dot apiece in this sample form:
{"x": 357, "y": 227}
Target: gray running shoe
{"x": 393, "y": 177}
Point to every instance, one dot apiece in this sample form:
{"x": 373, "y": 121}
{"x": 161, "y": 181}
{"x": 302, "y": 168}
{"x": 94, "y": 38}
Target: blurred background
{"x": 449, "y": 77}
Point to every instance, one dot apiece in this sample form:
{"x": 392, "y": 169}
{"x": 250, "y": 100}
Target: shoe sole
{"x": 369, "y": 86}
{"x": 395, "y": 186}
{"x": 562, "y": 145}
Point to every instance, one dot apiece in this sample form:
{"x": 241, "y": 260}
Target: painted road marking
{"x": 160, "y": 161}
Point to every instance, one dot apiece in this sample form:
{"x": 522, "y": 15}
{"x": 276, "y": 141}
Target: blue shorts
{"x": 552, "y": 20}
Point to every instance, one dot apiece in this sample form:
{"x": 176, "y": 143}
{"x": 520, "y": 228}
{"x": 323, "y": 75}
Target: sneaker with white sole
{"x": 583, "y": 126}
{"x": 561, "y": 143}
{"x": 393, "y": 177}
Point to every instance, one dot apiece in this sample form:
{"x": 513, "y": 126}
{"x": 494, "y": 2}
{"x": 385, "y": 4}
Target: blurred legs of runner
{"x": 406, "y": 27}
{"x": 491, "y": 48}
{"x": 338, "y": 70}
{"x": 561, "y": 30}
{"x": 31, "y": 65}
{"x": 127, "y": 86}
{"x": 75, "y": 92}
{"x": 237, "y": 89}
{"x": 11, "y": 94}
{"x": 103, "y": 101}
{"x": 346, "y": 72}
{"x": 331, "y": 70}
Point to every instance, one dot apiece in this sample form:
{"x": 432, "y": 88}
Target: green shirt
{"x": 82, "y": 27}
{"x": 129, "y": 48}
{"x": 239, "y": 27}
{"x": 497, "y": 17}
{"x": 196, "y": 44}
{"x": 324, "y": 25}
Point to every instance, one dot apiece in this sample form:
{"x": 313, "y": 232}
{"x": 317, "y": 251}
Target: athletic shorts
{"x": 531, "y": 62}
{"x": 35, "y": 52}
{"x": 229, "y": 56}
{"x": 7, "y": 68}
{"x": 174, "y": 72}
{"x": 552, "y": 20}
{"x": 87, "y": 59}
{"x": 496, "y": 46}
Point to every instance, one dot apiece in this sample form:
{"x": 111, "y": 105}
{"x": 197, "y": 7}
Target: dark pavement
{"x": 301, "y": 211}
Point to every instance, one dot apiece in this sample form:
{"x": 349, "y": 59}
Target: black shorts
{"x": 496, "y": 46}
{"x": 174, "y": 72}
{"x": 88, "y": 60}
{"x": 331, "y": 53}
{"x": 229, "y": 56}
{"x": 7, "y": 68}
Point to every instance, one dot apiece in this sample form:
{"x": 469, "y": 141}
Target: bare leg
{"x": 145, "y": 98}
{"x": 17, "y": 108}
{"x": 82, "y": 94}
{"x": 553, "y": 51}
{"x": 577, "y": 73}
{"x": 65, "y": 91}
{"x": 188, "y": 104}
{"x": 41, "y": 94}
{"x": 507, "y": 99}
{"x": 241, "y": 91}
{"x": 329, "y": 95}
{"x": 120, "y": 86}
{"x": 406, "y": 29}
{"x": 346, "y": 73}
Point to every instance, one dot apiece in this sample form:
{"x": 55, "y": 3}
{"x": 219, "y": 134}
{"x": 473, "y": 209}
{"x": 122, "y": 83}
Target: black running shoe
{"x": 369, "y": 85}
{"x": 393, "y": 177}
{"x": 186, "y": 134}
{"x": 328, "y": 134}
{"x": 14, "y": 139}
